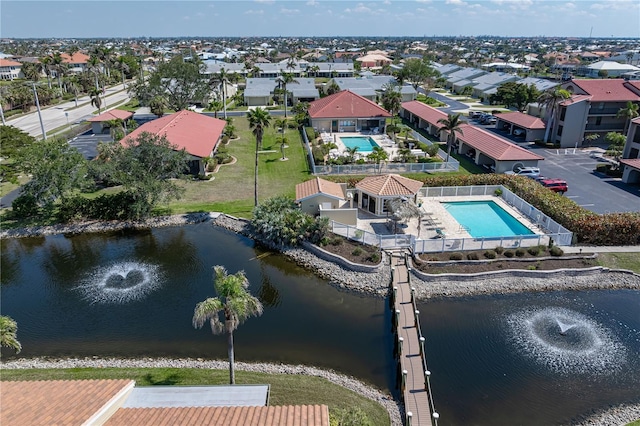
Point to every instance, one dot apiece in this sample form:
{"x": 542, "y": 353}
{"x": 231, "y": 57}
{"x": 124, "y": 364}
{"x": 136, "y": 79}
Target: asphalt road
{"x": 55, "y": 116}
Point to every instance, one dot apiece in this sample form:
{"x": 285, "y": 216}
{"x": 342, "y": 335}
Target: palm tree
{"x": 94, "y": 94}
{"x": 47, "y": 66}
{"x": 259, "y": 120}
{"x": 157, "y": 106}
{"x": 378, "y": 155}
{"x": 8, "y": 330}
{"x": 32, "y": 70}
{"x": 333, "y": 88}
{"x": 73, "y": 85}
{"x": 351, "y": 153}
{"x": 629, "y": 112}
{"x": 58, "y": 66}
{"x": 123, "y": 67}
{"x": 215, "y": 106}
{"x": 283, "y": 80}
{"x": 451, "y": 125}
{"x": 229, "y": 309}
{"x": 550, "y": 100}
{"x": 221, "y": 79}
{"x": 391, "y": 98}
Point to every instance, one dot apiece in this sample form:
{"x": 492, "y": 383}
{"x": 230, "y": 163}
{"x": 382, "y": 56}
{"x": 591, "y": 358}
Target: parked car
{"x": 531, "y": 172}
{"x": 519, "y": 132}
{"x": 488, "y": 119}
{"x": 475, "y": 114}
{"x": 557, "y": 185}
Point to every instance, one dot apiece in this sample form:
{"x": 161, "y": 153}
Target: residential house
{"x": 592, "y": 109}
{"x": 424, "y": 117}
{"x": 373, "y": 61}
{"x": 214, "y": 67}
{"x": 463, "y": 74}
{"x": 346, "y": 111}
{"x": 631, "y": 154}
{"x": 371, "y": 87}
{"x": 10, "y": 70}
{"x": 331, "y": 69}
{"x": 77, "y": 62}
{"x": 481, "y": 85}
{"x": 258, "y": 91}
{"x": 198, "y": 134}
{"x": 327, "y": 199}
{"x": 610, "y": 68}
{"x": 447, "y": 69}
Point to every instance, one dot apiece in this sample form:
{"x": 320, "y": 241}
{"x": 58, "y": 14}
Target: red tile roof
{"x": 635, "y": 84}
{"x": 9, "y": 63}
{"x": 318, "y": 186}
{"x": 426, "y": 112}
{"x": 299, "y": 415}
{"x": 76, "y": 58}
{"x": 494, "y": 146}
{"x": 575, "y": 99}
{"x": 631, "y": 162}
{"x": 57, "y": 402}
{"x": 606, "y": 90}
{"x": 112, "y": 115}
{"x": 523, "y": 120}
{"x": 389, "y": 185}
{"x": 198, "y": 134}
{"x": 345, "y": 104}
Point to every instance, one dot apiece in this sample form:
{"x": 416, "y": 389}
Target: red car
{"x": 556, "y": 185}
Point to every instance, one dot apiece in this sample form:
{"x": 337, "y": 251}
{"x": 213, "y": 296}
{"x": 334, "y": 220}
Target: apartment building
{"x": 10, "y": 70}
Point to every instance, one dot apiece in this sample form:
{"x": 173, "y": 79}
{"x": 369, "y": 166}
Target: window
{"x": 598, "y": 121}
{"x": 563, "y": 112}
{"x": 560, "y": 130}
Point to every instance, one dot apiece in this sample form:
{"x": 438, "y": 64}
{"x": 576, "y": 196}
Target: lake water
{"x": 524, "y": 359}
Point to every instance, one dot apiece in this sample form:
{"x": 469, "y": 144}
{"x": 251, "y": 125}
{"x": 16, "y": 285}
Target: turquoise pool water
{"x": 364, "y": 144}
{"x": 486, "y": 219}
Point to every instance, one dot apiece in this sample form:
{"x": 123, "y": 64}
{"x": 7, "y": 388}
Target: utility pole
{"x": 35, "y": 93}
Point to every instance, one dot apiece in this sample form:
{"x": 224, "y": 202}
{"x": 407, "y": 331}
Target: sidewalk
{"x": 602, "y": 249}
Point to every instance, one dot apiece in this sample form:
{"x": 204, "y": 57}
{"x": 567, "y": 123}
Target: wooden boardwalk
{"x": 416, "y": 397}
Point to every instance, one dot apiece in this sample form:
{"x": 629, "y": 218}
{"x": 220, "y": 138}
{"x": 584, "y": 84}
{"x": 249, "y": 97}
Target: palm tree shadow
{"x": 169, "y": 380}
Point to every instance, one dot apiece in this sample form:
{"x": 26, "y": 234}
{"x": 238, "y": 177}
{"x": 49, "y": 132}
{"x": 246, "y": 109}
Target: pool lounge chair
{"x": 440, "y": 233}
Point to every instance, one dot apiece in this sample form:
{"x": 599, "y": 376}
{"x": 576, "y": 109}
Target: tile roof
{"x": 493, "y": 146}
{"x": 389, "y": 185}
{"x": 299, "y": 415}
{"x": 575, "y": 99}
{"x": 606, "y": 90}
{"x": 198, "y": 134}
{"x": 345, "y": 104}
{"x": 76, "y": 58}
{"x": 426, "y": 112}
{"x": 9, "y": 63}
{"x": 57, "y": 402}
{"x": 523, "y": 120}
{"x": 631, "y": 162}
{"x": 112, "y": 115}
{"x": 318, "y": 186}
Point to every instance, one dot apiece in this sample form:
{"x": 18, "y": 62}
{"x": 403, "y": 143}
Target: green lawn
{"x": 286, "y": 389}
{"x": 231, "y": 191}
{"x": 630, "y": 261}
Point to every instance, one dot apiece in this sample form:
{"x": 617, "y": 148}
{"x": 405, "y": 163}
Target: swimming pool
{"x": 364, "y": 143}
{"x": 485, "y": 219}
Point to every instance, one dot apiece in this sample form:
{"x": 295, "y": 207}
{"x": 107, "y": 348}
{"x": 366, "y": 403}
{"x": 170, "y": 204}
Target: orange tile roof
{"x": 607, "y": 90}
{"x": 198, "y": 134}
{"x": 318, "y": 186}
{"x": 523, "y": 120}
{"x": 426, "y": 112}
{"x": 494, "y": 146}
{"x": 631, "y": 162}
{"x": 76, "y": 58}
{"x": 345, "y": 104}
{"x": 575, "y": 99}
{"x": 112, "y": 115}
{"x": 56, "y": 402}
{"x": 298, "y": 415}
{"x": 389, "y": 185}
{"x": 9, "y": 63}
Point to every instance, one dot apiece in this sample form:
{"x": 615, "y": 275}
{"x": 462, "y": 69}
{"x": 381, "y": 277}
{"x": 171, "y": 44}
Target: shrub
{"x": 556, "y": 251}
{"x": 357, "y": 251}
{"x": 472, "y": 256}
{"x": 490, "y": 254}
{"x": 374, "y": 257}
{"x": 25, "y": 206}
{"x": 520, "y": 252}
{"x": 455, "y": 256}
{"x": 532, "y": 267}
{"x": 311, "y": 133}
{"x": 499, "y": 249}
{"x": 533, "y": 251}
{"x": 508, "y": 253}
{"x": 336, "y": 241}
{"x": 498, "y": 192}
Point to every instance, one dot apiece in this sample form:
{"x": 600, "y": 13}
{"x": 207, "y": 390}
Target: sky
{"x": 233, "y": 18}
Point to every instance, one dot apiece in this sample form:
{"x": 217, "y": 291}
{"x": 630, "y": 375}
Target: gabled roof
{"x": 9, "y": 63}
{"x": 345, "y": 104}
{"x": 425, "y": 112}
{"x": 523, "y": 120}
{"x": 112, "y": 115}
{"x": 198, "y": 134}
{"x": 575, "y": 99}
{"x": 318, "y": 186}
{"x": 59, "y": 402}
{"x": 606, "y": 90}
{"x": 389, "y": 185}
{"x": 298, "y": 415}
{"x": 631, "y": 162}
{"x": 493, "y": 146}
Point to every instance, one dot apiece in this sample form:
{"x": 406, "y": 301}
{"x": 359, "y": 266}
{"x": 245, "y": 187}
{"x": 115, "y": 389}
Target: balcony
{"x": 609, "y": 127}
{"x": 604, "y": 111}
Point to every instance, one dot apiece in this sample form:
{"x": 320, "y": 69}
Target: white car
{"x": 518, "y": 132}
{"x": 531, "y": 172}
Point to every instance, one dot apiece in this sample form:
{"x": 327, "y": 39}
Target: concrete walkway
{"x": 602, "y": 249}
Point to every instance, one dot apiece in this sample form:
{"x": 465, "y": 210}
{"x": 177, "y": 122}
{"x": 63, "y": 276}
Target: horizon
{"x": 97, "y": 19}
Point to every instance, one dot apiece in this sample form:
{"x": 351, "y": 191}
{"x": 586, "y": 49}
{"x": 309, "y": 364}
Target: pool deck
{"x": 435, "y": 216}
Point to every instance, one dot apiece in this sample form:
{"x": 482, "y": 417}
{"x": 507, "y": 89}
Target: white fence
{"x": 369, "y": 238}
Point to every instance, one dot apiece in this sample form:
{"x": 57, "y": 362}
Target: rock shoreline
{"x": 619, "y": 415}
{"x": 355, "y": 385}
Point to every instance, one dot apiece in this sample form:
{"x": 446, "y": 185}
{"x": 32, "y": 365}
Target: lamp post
{"x": 66, "y": 114}
{"x": 35, "y": 94}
